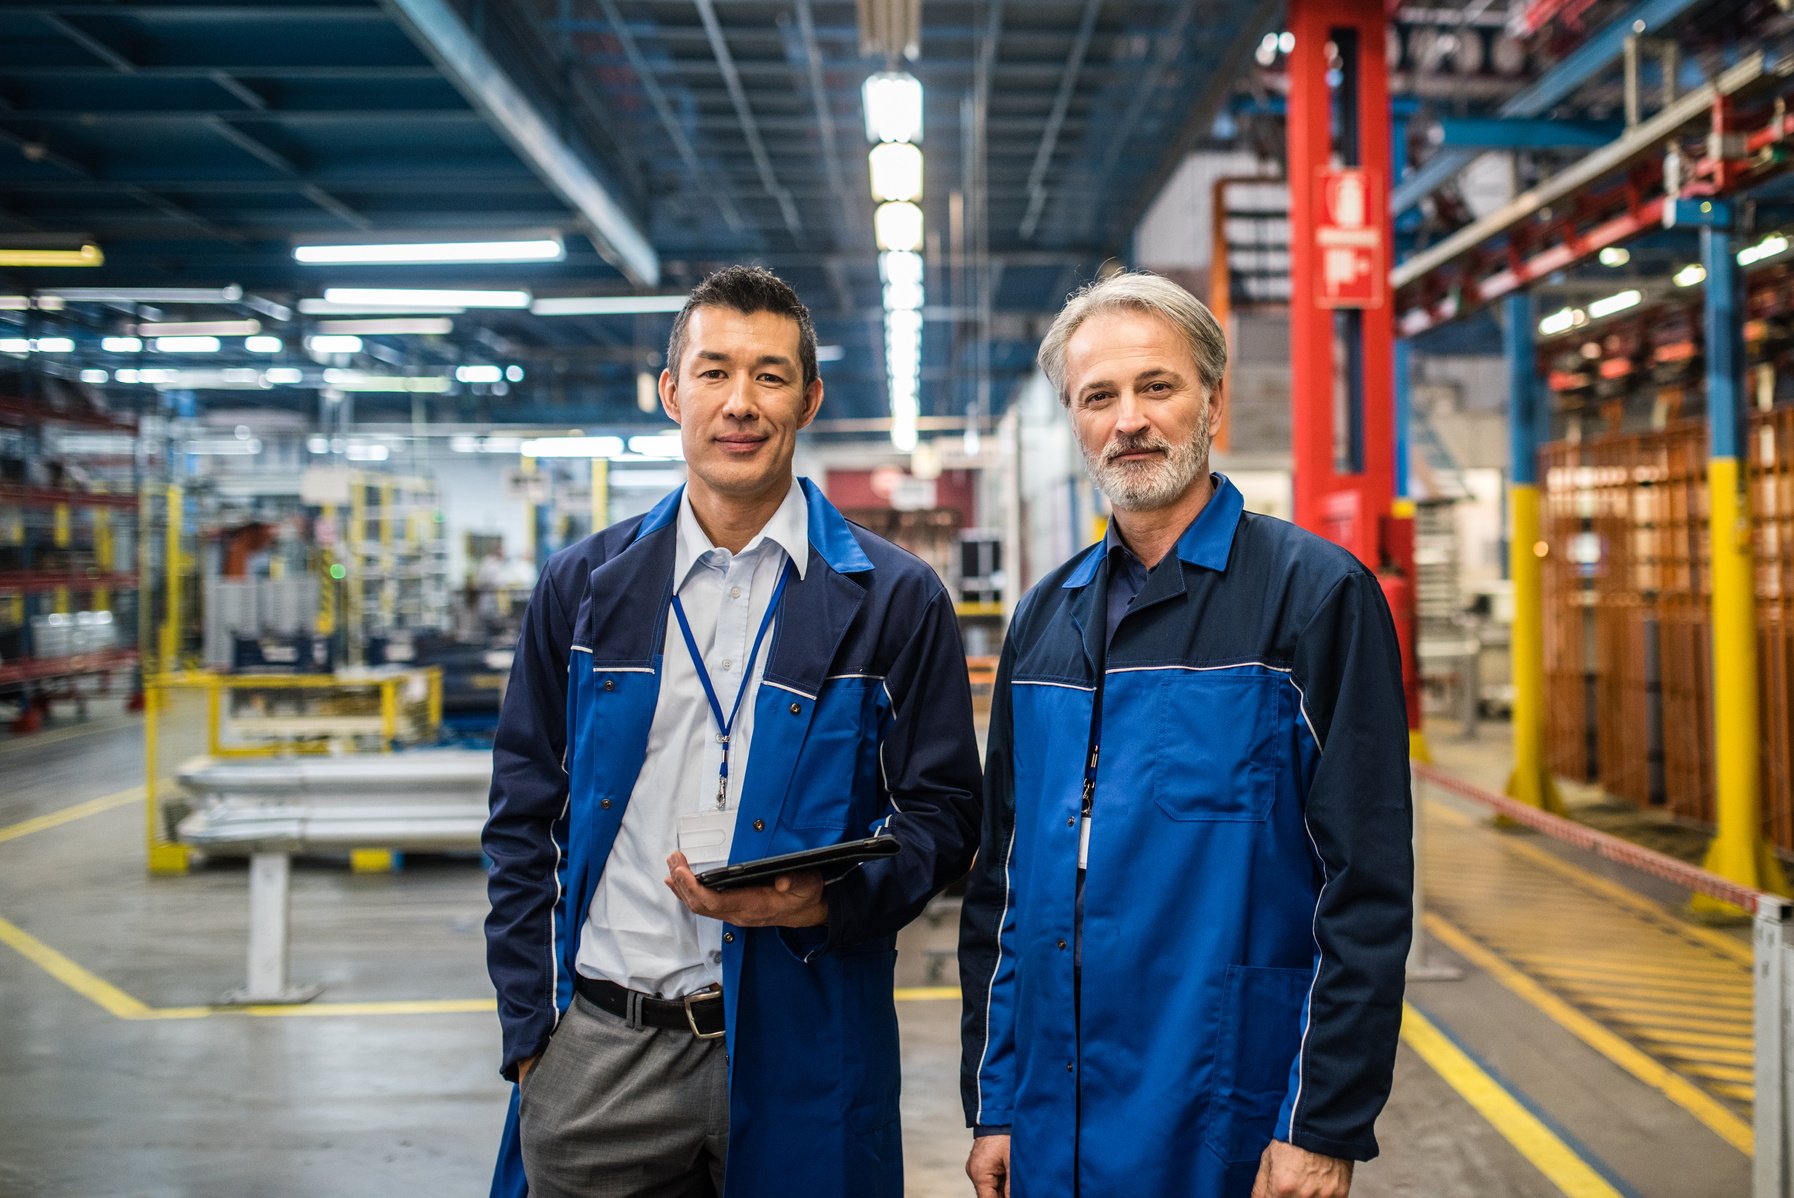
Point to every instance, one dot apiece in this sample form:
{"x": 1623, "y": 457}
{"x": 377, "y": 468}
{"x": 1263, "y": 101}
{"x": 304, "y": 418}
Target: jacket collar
{"x": 1208, "y": 542}
{"x": 831, "y": 537}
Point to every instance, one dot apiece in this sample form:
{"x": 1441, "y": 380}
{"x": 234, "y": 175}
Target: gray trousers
{"x": 614, "y": 1111}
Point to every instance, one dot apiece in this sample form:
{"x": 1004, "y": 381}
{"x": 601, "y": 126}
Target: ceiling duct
{"x": 890, "y": 29}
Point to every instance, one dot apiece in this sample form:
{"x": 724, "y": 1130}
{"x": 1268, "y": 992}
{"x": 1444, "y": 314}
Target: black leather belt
{"x": 701, "y": 1013}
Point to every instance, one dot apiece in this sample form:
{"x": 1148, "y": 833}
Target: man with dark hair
{"x": 739, "y": 673}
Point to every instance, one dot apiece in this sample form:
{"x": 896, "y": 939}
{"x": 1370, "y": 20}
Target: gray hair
{"x": 1137, "y": 291}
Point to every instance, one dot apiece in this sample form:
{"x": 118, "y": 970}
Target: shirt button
{"x": 728, "y": 937}
{"x": 759, "y": 825}
{"x": 727, "y": 663}
{"x": 734, "y": 592}
{"x": 605, "y": 804}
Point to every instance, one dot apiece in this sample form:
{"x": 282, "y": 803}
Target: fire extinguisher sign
{"x": 1350, "y": 262}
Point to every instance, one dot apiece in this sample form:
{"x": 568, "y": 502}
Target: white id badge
{"x": 1084, "y": 843}
{"x": 705, "y": 838}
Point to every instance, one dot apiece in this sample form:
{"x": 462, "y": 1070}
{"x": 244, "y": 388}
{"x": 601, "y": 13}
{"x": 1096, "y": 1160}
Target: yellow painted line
{"x": 1731, "y": 946}
{"x": 1739, "y": 1057}
{"x": 1517, "y": 1125}
{"x": 1736, "y": 1074}
{"x": 90, "y": 986}
{"x": 1726, "y": 979}
{"x": 1703, "y": 1106}
{"x": 442, "y": 1006}
{"x": 1719, "y": 995}
{"x": 69, "y": 815}
{"x": 1645, "y": 1008}
{"x": 1741, "y": 1093}
{"x": 926, "y": 993}
{"x": 1744, "y": 1042}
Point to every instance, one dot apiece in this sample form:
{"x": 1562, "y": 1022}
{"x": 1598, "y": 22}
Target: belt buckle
{"x": 691, "y": 1020}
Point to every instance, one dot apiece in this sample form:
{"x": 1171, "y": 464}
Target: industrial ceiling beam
{"x": 1049, "y": 133}
{"x": 1583, "y": 64}
{"x": 439, "y": 30}
{"x": 725, "y": 63}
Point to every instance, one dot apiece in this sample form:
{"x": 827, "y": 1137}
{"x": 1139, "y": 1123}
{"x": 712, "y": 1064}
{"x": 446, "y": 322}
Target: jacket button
{"x": 1062, "y": 945}
{"x": 796, "y": 709}
{"x": 609, "y": 685}
{"x": 728, "y": 937}
{"x": 605, "y": 804}
{"x": 759, "y": 825}
{"x": 1072, "y": 822}
{"x": 1071, "y": 1067}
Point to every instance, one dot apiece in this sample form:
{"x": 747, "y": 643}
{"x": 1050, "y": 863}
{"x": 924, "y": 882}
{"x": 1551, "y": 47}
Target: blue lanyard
{"x": 724, "y": 726}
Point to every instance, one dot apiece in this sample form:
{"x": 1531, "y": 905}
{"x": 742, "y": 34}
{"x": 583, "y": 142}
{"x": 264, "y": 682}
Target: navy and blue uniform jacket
{"x": 862, "y": 723}
{"x": 1247, "y": 904}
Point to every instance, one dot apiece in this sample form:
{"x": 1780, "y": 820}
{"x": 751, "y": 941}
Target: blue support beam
{"x": 1724, "y": 333}
{"x": 1525, "y": 423}
{"x": 439, "y": 29}
{"x": 1596, "y": 54}
{"x": 1525, "y": 133}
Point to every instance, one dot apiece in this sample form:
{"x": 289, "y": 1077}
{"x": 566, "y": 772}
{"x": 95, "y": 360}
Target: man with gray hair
{"x": 1183, "y": 941}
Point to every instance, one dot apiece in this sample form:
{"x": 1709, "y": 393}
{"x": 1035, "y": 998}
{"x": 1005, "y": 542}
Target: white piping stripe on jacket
{"x": 990, "y": 991}
{"x": 790, "y": 690}
{"x": 1061, "y": 685}
{"x": 580, "y": 648}
{"x": 1295, "y": 1105}
{"x": 622, "y": 669}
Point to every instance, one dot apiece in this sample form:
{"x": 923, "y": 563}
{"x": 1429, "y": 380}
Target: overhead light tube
{"x": 547, "y": 249}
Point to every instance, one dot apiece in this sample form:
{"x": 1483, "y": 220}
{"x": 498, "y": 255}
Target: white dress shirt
{"x": 637, "y": 932}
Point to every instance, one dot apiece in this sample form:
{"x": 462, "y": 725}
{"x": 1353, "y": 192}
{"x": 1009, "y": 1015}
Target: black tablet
{"x": 833, "y": 860}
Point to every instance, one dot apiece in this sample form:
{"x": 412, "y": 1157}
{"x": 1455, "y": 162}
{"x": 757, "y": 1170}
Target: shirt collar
{"x": 1208, "y": 542}
{"x": 788, "y": 528}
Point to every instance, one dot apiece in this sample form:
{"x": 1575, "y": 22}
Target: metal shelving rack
{"x": 65, "y": 551}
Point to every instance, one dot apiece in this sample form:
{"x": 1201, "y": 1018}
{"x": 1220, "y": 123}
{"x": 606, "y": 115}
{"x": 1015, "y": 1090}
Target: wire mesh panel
{"x": 1569, "y": 747}
{"x": 1771, "y": 475}
{"x": 1679, "y": 572}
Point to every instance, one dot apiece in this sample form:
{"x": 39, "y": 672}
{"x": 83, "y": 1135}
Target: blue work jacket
{"x": 862, "y": 722}
{"x": 1247, "y": 903}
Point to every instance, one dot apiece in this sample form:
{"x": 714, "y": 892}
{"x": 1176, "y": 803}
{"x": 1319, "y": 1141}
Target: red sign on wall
{"x": 1350, "y": 263}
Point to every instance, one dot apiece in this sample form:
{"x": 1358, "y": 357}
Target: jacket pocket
{"x": 836, "y": 776}
{"x": 1216, "y": 758}
{"x": 1259, "y": 1035}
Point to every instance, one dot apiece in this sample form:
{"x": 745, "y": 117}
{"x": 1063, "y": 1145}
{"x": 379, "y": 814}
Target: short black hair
{"x": 747, "y": 289}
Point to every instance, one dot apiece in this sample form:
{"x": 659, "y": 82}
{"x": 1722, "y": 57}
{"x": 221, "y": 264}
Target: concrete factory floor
{"x": 122, "y": 1080}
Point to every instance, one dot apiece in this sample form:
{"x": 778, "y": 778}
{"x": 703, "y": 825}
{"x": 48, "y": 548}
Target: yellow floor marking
{"x": 1642, "y": 975}
{"x": 1740, "y": 1057}
{"x": 1519, "y": 1126}
{"x": 69, "y": 815}
{"x": 1647, "y": 1008}
{"x": 1739, "y": 1043}
{"x": 1679, "y": 1090}
{"x": 926, "y": 993}
{"x": 1734, "y": 947}
{"x": 1742, "y": 1093}
{"x": 1725, "y": 1073}
{"x": 92, "y": 987}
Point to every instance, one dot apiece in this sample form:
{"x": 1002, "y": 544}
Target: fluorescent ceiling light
{"x": 1562, "y": 321}
{"x": 199, "y": 328}
{"x": 896, "y": 168}
{"x": 14, "y": 345}
{"x": 357, "y": 380}
{"x": 903, "y": 295}
{"x": 333, "y": 343}
{"x": 318, "y": 307}
{"x": 893, "y": 102}
{"x": 513, "y": 374}
{"x": 607, "y": 305}
{"x": 94, "y": 376}
{"x": 1614, "y": 255}
{"x": 830, "y": 353}
{"x": 666, "y": 447}
{"x": 224, "y": 446}
{"x": 52, "y": 345}
{"x": 402, "y": 253}
{"x": 903, "y": 427}
{"x": 900, "y": 267}
{"x": 121, "y": 345}
{"x": 187, "y": 345}
{"x": 404, "y": 297}
{"x": 87, "y": 254}
{"x": 284, "y": 376}
{"x": 478, "y": 374}
{"x": 1608, "y": 305}
{"x": 357, "y": 451}
{"x": 24, "y": 303}
{"x": 263, "y": 345}
{"x": 467, "y": 444}
{"x": 150, "y": 295}
{"x": 404, "y": 326}
{"x": 572, "y": 447}
{"x": 898, "y": 226}
{"x": 1769, "y": 247}
{"x": 1690, "y": 275}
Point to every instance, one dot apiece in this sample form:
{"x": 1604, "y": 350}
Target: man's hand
{"x": 988, "y": 1166}
{"x": 1285, "y": 1171}
{"x": 525, "y": 1065}
{"x": 792, "y": 901}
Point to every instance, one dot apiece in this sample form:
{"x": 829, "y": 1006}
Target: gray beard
{"x": 1148, "y": 486}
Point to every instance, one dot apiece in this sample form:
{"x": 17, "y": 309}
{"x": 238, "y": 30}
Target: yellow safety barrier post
{"x": 168, "y": 659}
{"x": 1739, "y": 851}
{"x": 600, "y": 493}
{"x": 1531, "y": 782}
{"x": 162, "y": 855}
{"x": 60, "y": 536}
